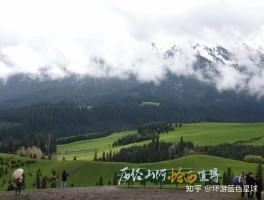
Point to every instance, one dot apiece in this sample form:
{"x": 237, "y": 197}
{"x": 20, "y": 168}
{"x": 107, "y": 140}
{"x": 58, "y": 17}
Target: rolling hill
{"x": 198, "y": 133}
{"x": 87, "y": 173}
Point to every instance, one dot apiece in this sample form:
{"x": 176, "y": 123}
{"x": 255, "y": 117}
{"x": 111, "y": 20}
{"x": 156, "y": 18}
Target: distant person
{"x": 53, "y": 179}
{"x": 242, "y": 183}
{"x": 19, "y": 184}
{"x": 250, "y": 182}
{"x": 64, "y": 179}
{"x": 259, "y": 185}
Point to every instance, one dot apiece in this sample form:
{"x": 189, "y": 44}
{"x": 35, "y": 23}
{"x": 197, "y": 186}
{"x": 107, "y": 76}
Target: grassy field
{"x": 217, "y": 133}
{"x": 198, "y": 133}
{"x": 87, "y": 173}
{"x": 84, "y": 150}
{"x": 149, "y": 103}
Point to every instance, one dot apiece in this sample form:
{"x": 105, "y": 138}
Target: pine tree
{"x": 95, "y": 156}
{"x": 38, "y": 182}
{"x": 260, "y": 175}
{"x": 181, "y": 147}
{"x": 103, "y": 159}
{"x": 101, "y": 181}
{"x": 110, "y": 156}
{"x": 157, "y": 142}
{"x": 107, "y": 157}
{"x": 114, "y": 159}
{"x": 224, "y": 178}
{"x": 229, "y": 176}
{"x": 115, "y": 179}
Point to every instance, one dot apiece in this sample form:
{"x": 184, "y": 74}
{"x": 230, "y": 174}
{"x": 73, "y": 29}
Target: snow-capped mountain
{"x": 201, "y": 82}
{"x": 234, "y": 56}
{"x": 237, "y": 68}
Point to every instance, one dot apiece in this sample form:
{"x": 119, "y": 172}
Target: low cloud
{"x": 55, "y": 40}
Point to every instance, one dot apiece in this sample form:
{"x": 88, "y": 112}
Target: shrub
{"x": 13, "y": 162}
{"x": 254, "y": 159}
{"x": 30, "y": 162}
{"x": 101, "y": 181}
{"x": 11, "y": 187}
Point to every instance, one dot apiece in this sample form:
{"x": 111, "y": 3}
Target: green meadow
{"x": 87, "y": 173}
{"x": 84, "y": 150}
{"x": 217, "y": 133}
{"x": 198, "y": 133}
{"x": 150, "y": 103}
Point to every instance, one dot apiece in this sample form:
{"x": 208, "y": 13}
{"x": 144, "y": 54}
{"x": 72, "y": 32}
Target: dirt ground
{"x": 115, "y": 193}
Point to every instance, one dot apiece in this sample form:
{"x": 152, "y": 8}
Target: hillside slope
{"x": 198, "y": 133}
{"x": 87, "y": 173}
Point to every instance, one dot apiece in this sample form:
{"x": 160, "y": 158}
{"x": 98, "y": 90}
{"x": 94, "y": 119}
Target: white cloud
{"x": 229, "y": 78}
{"x": 256, "y": 85}
{"x": 112, "y": 38}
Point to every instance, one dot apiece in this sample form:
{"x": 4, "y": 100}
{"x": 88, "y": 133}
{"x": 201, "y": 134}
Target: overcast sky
{"x": 113, "y": 38}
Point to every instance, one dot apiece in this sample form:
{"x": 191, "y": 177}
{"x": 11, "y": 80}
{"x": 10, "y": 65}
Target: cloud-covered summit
{"x": 56, "y": 39}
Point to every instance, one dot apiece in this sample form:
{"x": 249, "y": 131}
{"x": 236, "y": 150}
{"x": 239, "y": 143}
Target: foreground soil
{"x": 115, "y": 193}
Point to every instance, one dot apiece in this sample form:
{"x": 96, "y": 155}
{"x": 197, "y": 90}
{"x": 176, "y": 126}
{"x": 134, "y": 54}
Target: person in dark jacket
{"x": 250, "y": 182}
{"x": 64, "y": 179}
{"x": 259, "y": 185}
{"x": 242, "y": 183}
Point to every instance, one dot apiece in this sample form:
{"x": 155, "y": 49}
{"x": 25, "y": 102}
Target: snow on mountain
{"x": 236, "y": 67}
{"x": 229, "y": 56}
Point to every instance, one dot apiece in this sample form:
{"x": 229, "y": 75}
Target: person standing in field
{"x": 19, "y": 184}
{"x": 259, "y": 185}
{"x": 242, "y": 183}
{"x": 53, "y": 180}
{"x": 64, "y": 179}
{"x": 250, "y": 182}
